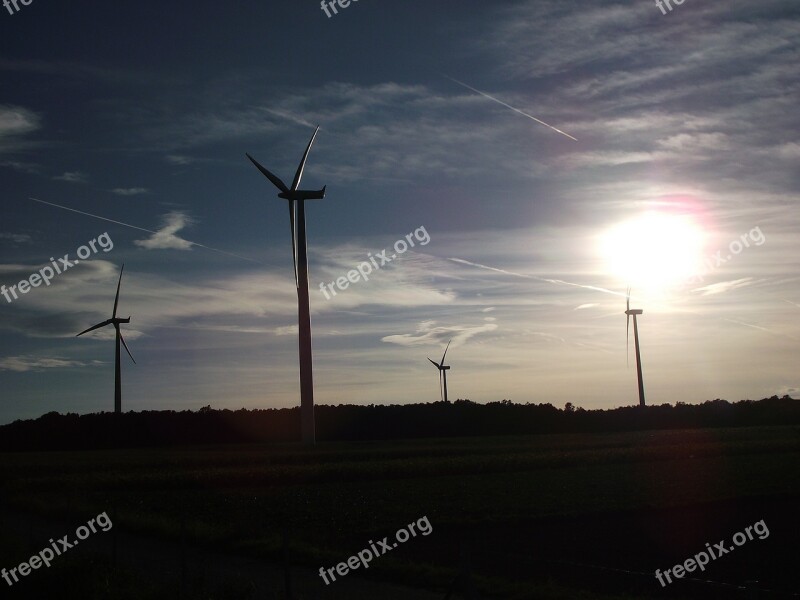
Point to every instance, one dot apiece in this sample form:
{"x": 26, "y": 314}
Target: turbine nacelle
{"x": 440, "y": 367}
{"x": 303, "y": 194}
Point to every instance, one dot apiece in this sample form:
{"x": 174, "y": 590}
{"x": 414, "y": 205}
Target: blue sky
{"x": 683, "y": 183}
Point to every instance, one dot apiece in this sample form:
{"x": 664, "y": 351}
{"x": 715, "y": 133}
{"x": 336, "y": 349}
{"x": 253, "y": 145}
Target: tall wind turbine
{"x": 634, "y": 313}
{"x": 115, "y": 321}
{"x": 442, "y": 374}
{"x": 297, "y": 221}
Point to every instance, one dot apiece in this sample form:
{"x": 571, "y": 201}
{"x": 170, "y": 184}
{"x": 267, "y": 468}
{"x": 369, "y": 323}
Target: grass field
{"x": 534, "y": 517}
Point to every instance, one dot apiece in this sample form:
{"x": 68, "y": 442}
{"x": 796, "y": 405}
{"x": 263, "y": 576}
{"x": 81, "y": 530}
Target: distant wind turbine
{"x": 634, "y": 313}
{"x": 442, "y": 374}
{"x": 115, "y": 321}
{"x": 297, "y": 221}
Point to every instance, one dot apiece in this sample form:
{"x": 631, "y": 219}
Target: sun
{"x": 654, "y": 251}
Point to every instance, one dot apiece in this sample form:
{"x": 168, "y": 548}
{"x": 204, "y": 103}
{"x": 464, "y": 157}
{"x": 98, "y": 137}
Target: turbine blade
{"x": 122, "y": 339}
{"x": 628, "y": 299}
{"x": 273, "y": 178}
{"x": 292, "y": 222}
{"x": 318, "y": 195}
{"x": 435, "y": 364}
{"x": 116, "y": 298}
{"x": 299, "y": 174}
{"x": 93, "y": 327}
{"x": 441, "y": 389}
{"x": 445, "y": 351}
{"x": 627, "y": 341}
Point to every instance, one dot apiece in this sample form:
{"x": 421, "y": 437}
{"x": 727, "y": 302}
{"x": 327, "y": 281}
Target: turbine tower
{"x": 115, "y": 321}
{"x": 443, "y": 369}
{"x": 634, "y": 313}
{"x": 297, "y": 221}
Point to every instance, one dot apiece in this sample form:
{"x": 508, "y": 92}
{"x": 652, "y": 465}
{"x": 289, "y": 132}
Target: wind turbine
{"x": 443, "y": 369}
{"x": 297, "y": 221}
{"x": 115, "y": 321}
{"x": 634, "y": 313}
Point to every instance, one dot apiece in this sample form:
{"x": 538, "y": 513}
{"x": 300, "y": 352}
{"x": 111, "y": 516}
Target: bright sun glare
{"x": 654, "y": 251}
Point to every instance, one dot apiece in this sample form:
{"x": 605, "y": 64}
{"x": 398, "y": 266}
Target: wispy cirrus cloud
{"x": 725, "y": 286}
{"x": 428, "y": 333}
{"x": 22, "y": 166}
{"x": 15, "y": 238}
{"x": 25, "y": 363}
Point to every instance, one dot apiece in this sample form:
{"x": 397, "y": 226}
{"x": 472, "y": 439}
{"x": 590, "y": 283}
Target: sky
{"x": 542, "y": 155}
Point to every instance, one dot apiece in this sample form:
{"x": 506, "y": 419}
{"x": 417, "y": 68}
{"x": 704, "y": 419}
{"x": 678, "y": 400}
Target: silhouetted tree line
{"x": 54, "y": 431}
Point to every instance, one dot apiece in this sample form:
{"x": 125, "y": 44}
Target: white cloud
{"x": 165, "y": 238}
{"x": 24, "y": 167}
{"x": 177, "y": 159}
{"x": 72, "y": 177}
{"x": 287, "y": 330}
{"x": 22, "y": 364}
{"x": 129, "y": 191}
{"x": 724, "y": 286}
{"x": 16, "y": 122}
{"x": 427, "y": 334}
{"x": 16, "y": 238}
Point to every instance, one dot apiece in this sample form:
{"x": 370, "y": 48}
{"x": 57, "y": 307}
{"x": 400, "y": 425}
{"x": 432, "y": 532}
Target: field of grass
{"x": 522, "y": 508}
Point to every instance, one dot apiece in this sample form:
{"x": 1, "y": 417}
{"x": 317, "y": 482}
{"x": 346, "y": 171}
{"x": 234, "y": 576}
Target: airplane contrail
{"x": 606, "y": 291}
{"x": 536, "y": 278}
{"x": 80, "y": 212}
{"x": 523, "y": 113}
{"x": 777, "y": 333}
